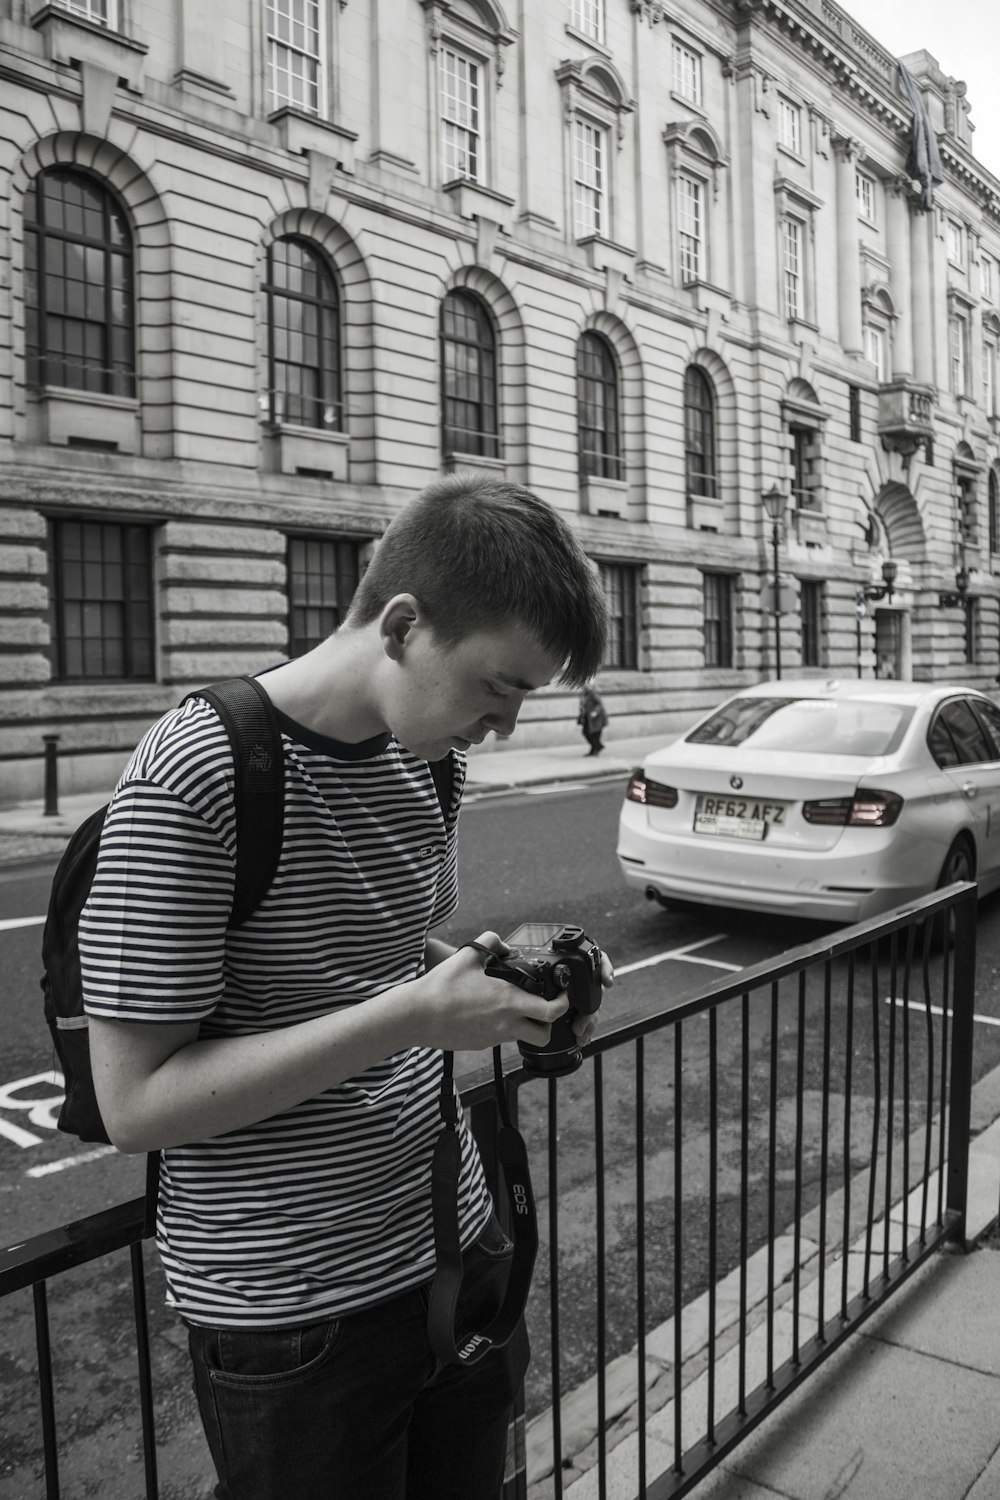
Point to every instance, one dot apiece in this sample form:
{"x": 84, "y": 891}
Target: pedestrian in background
{"x": 592, "y": 718}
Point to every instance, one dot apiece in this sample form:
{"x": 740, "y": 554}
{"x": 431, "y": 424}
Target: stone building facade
{"x": 268, "y": 266}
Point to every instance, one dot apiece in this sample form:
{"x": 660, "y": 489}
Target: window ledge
{"x": 473, "y": 200}
{"x": 73, "y": 39}
{"x": 87, "y": 419}
{"x": 307, "y": 452}
{"x": 603, "y": 497}
{"x": 705, "y": 512}
{"x": 452, "y": 461}
{"x": 300, "y": 132}
{"x": 695, "y": 108}
{"x": 791, "y": 153}
{"x": 604, "y": 254}
{"x": 593, "y": 42}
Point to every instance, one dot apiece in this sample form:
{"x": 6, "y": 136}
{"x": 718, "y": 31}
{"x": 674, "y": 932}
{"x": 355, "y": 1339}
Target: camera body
{"x": 552, "y": 959}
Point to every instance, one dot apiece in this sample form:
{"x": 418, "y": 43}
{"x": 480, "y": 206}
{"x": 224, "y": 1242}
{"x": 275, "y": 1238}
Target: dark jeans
{"x": 357, "y": 1408}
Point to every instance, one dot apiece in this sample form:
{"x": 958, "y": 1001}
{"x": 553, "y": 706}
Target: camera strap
{"x": 513, "y": 1161}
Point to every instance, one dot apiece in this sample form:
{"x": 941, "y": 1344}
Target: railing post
{"x": 51, "y": 741}
{"x": 960, "y": 1102}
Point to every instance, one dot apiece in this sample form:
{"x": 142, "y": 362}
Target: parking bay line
{"x": 49, "y": 1167}
{"x": 936, "y": 1010}
{"x": 685, "y": 955}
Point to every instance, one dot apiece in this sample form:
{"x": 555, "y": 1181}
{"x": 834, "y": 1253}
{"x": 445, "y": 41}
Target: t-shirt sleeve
{"x": 153, "y": 930}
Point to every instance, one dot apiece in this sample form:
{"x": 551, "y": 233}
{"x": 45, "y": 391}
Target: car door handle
{"x": 969, "y": 788}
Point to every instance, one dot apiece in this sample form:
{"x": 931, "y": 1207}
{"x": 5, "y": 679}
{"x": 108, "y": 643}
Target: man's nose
{"x": 503, "y": 721}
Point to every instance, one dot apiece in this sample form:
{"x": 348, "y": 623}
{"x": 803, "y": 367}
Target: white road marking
{"x": 69, "y": 1161}
{"x": 9, "y": 923}
{"x": 685, "y": 955}
{"x": 936, "y": 1010}
{"x": 559, "y": 786}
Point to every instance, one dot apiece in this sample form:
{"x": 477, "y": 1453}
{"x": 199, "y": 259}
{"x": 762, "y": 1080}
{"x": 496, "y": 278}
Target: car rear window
{"x": 851, "y": 727}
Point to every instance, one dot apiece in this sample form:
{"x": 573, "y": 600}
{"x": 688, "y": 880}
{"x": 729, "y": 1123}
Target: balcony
{"x": 905, "y": 415}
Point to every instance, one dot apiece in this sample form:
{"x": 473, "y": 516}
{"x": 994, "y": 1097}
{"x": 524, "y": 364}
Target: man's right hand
{"x": 459, "y": 1008}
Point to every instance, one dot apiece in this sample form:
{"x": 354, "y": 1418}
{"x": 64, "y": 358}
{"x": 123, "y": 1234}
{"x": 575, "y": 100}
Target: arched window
{"x": 597, "y": 408}
{"x": 78, "y": 286}
{"x": 699, "y": 434}
{"x": 301, "y": 338}
{"x": 468, "y": 377}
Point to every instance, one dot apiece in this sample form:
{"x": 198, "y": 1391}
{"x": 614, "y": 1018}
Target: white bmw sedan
{"x": 828, "y": 799}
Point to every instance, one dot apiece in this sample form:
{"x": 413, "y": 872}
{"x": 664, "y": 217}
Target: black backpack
{"x": 252, "y": 726}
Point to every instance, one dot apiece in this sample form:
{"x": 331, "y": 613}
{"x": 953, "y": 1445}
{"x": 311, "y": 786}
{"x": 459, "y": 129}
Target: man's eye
{"x": 494, "y": 692}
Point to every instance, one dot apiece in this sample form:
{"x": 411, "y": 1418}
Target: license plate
{"x": 738, "y": 817}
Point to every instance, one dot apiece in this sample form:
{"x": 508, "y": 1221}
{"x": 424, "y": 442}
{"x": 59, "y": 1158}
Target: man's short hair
{"x": 478, "y": 554}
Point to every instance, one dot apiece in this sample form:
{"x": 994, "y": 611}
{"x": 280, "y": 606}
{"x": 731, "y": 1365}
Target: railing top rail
{"x": 57, "y": 1250}
{"x": 478, "y": 1086}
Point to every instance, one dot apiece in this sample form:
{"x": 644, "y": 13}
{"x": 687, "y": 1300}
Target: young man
{"x": 290, "y": 1069}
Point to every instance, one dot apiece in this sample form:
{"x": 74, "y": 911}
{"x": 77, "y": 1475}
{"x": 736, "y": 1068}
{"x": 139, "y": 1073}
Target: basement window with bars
{"x": 621, "y": 589}
{"x": 322, "y": 576}
{"x": 719, "y": 594}
{"x": 101, "y": 589}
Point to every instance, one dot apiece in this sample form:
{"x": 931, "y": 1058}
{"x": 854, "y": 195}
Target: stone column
{"x": 922, "y": 297}
{"x": 898, "y": 233}
{"x": 847, "y": 152}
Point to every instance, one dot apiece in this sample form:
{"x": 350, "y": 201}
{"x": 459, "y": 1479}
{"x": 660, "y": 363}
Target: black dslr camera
{"x": 551, "y": 959}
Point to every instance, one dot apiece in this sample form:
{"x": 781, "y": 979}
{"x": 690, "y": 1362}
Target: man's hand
{"x": 584, "y": 1027}
{"x": 459, "y": 1008}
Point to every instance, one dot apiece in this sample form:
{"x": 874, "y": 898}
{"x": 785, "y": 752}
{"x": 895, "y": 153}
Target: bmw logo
{"x": 736, "y": 782}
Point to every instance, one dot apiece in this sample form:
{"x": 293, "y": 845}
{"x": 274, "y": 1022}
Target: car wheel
{"x": 959, "y": 864}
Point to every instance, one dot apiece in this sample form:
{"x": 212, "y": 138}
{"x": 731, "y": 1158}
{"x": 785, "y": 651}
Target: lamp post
{"x": 774, "y": 501}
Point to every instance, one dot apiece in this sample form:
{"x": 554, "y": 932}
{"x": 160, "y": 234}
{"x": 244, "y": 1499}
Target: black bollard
{"x": 51, "y": 775}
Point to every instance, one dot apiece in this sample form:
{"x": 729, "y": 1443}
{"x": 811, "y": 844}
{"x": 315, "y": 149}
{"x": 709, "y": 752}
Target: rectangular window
{"x": 718, "y": 619}
{"x": 101, "y": 12}
{"x": 988, "y": 277}
{"x": 294, "y": 55}
{"x": 789, "y": 125}
{"x": 588, "y": 178}
{"x": 854, "y": 412}
{"x": 957, "y": 347}
{"x": 461, "y": 156}
{"x": 687, "y": 72}
{"x": 864, "y": 187}
{"x": 102, "y": 601}
{"x": 587, "y": 16}
{"x": 971, "y": 622}
{"x": 955, "y": 240}
{"x": 877, "y": 350}
{"x": 322, "y": 578}
{"x": 621, "y": 589}
{"x": 791, "y": 267}
{"x": 804, "y": 446}
{"x": 690, "y": 226}
{"x": 811, "y": 598}
{"x": 990, "y": 379}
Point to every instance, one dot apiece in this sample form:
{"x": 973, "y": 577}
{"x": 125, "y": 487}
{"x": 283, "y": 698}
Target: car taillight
{"x": 866, "y": 809}
{"x": 642, "y": 788}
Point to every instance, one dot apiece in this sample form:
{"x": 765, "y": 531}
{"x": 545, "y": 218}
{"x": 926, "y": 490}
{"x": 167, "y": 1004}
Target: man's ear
{"x": 396, "y": 624}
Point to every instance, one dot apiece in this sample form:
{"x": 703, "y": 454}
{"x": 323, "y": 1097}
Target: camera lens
{"x": 542, "y": 1064}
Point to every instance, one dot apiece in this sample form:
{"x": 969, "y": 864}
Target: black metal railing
{"x": 727, "y": 1189}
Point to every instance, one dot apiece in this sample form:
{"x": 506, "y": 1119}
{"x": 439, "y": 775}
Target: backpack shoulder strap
{"x": 443, "y": 772}
{"x": 255, "y": 735}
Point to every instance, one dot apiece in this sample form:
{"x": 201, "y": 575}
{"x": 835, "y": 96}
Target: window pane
{"x": 597, "y": 408}
{"x": 322, "y": 577}
{"x": 468, "y": 377}
{"x": 620, "y": 582}
{"x": 301, "y": 353}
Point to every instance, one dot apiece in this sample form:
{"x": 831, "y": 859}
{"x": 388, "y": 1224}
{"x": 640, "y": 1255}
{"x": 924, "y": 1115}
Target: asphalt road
{"x": 543, "y": 854}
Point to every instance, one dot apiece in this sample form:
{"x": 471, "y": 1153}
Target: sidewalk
{"x": 25, "y": 831}
{"x": 907, "y": 1409}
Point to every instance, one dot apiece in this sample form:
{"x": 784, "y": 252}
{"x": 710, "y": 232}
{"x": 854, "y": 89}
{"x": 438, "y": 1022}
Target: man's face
{"x": 453, "y": 696}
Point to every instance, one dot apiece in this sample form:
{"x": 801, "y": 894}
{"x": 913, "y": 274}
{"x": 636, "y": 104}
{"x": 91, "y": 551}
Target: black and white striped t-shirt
{"x": 325, "y": 1208}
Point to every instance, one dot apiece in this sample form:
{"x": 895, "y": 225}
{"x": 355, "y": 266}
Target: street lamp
{"x": 774, "y": 501}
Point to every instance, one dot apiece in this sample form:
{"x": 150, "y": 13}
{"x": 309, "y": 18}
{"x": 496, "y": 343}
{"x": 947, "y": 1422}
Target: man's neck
{"x": 329, "y": 690}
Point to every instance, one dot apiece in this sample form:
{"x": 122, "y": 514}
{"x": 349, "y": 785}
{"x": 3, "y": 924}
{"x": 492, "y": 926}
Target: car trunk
{"x": 728, "y": 811}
